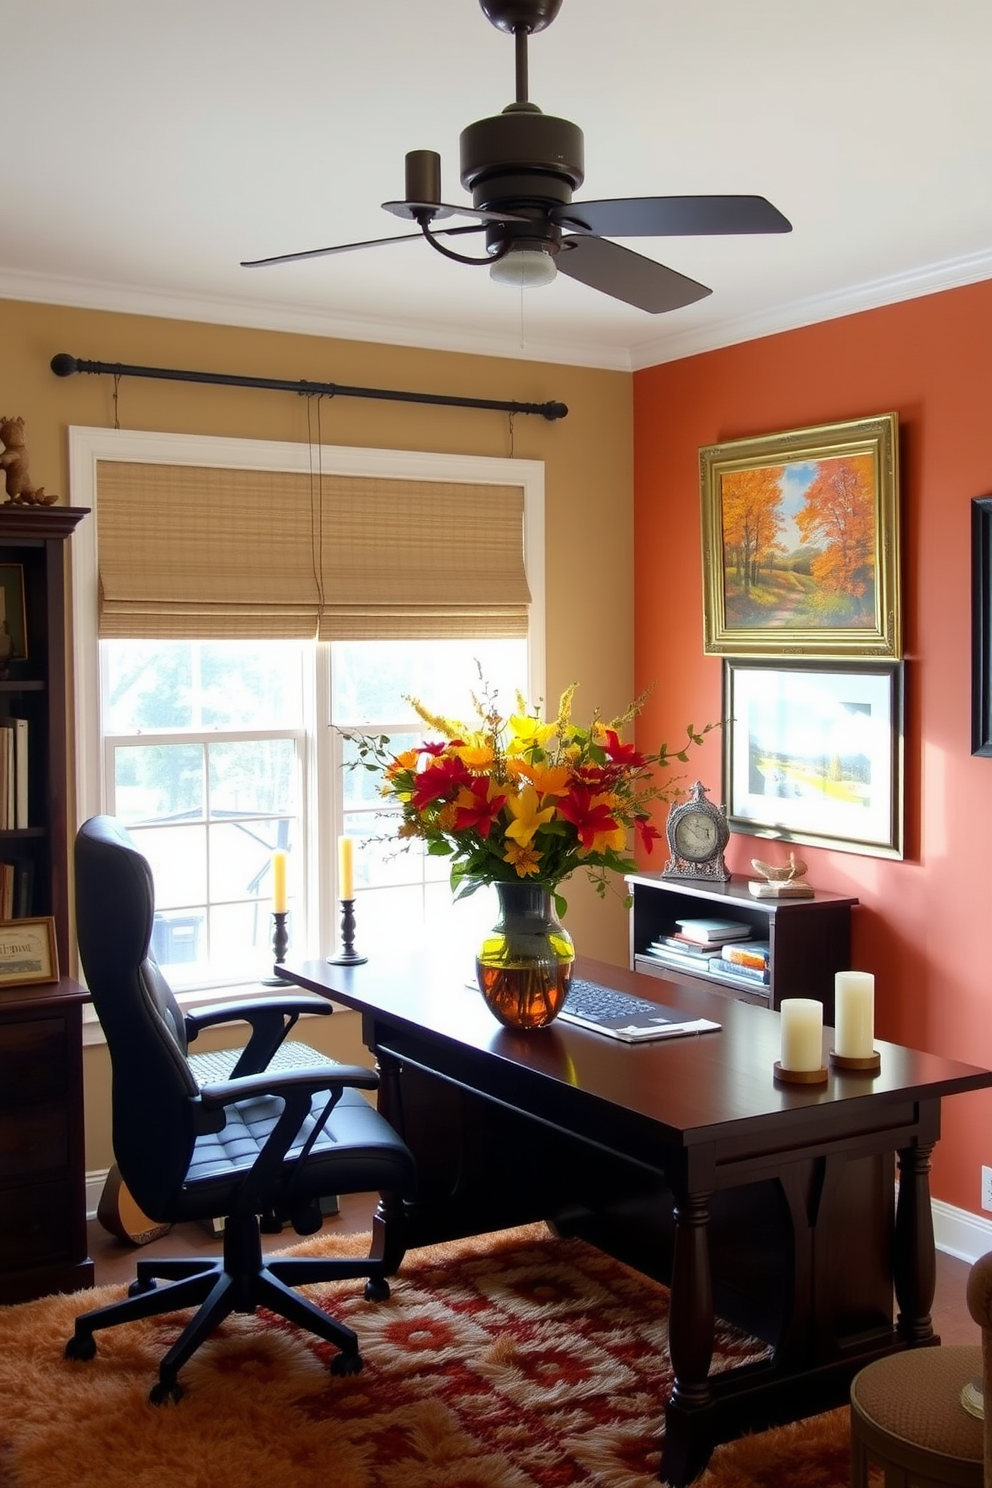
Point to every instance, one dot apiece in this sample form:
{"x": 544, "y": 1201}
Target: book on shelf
{"x": 713, "y": 932}
{"x": 755, "y": 953}
{"x": 13, "y": 773}
{"x": 761, "y": 888}
{"x": 678, "y": 960}
{"x": 20, "y": 726}
{"x": 687, "y": 947}
{"x": 720, "y": 966}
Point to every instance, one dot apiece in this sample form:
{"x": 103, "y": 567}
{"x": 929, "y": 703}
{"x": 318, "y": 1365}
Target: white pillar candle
{"x": 279, "y": 881}
{"x": 854, "y": 1014}
{"x": 802, "y": 1034}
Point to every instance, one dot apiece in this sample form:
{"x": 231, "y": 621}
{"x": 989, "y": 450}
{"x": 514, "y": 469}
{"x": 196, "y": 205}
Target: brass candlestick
{"x": 347, "y": 956}
{"x": 280, "y": 945}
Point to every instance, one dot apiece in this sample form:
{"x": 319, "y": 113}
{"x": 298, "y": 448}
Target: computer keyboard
{"x": 621, "y": 1015}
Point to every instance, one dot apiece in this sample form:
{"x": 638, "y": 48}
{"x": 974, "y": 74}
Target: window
{"x": 215, "y": 751}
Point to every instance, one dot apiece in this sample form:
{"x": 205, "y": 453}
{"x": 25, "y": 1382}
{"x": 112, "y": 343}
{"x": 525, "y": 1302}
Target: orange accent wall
{"x": 924, "y": 925}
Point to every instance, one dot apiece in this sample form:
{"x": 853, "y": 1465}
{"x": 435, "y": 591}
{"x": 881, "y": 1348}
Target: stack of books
{"x": 747, "y": 961}
{"x": 697, "y": 945}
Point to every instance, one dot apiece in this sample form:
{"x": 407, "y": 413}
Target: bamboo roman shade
{"x": 190, "y": 551}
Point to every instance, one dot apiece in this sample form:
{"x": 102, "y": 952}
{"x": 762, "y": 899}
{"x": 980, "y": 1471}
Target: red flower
{"x": 476, "y": 807}
{"x": 623, "y": 754}
{"x": 439, "y": 782}
{"x": 647, "y": 832}
{"x": 589, "y": 815}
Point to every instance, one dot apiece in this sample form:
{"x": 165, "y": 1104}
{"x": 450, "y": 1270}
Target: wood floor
{"x": 114, "y": 1260}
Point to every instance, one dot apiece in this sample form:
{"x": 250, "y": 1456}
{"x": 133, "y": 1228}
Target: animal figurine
{"x": 14, "y": 462}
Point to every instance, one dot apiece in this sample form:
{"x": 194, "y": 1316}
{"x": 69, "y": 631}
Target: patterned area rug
{"x": 515, "y": 1360}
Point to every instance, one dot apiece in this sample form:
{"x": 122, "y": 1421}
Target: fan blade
{"x": 627, "y": 276}
{"x": 673, "y": 216}
{"x": 447, "y": 232}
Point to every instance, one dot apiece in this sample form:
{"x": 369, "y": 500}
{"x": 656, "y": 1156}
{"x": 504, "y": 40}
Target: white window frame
{"x": 87, "y": 446}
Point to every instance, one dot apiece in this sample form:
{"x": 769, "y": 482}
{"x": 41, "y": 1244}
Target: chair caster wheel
{"x": 81, "y": 1346}
{"x": 139, "y": 1288}
{"x": 346, "y": 1364}
{"x": 377, "y": 1289}
{"x": 160, "y": 1393}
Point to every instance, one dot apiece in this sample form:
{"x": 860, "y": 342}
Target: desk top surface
{"x": 694, "y": 1088}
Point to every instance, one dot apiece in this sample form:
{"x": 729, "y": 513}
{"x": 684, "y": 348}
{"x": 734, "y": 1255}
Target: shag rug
{"x": 515, "y": 1360}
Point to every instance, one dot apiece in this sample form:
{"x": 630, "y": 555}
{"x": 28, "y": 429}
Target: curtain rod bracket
{"x": 64, "y": 365}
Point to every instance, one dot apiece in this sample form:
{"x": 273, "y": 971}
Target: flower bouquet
{"x": 514, "y": 801}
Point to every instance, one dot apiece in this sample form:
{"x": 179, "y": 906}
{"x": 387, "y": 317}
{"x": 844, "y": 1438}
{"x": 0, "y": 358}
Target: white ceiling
{"x": 149, "y": 145}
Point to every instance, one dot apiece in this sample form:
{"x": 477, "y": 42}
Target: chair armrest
{"x": 249, "y": 1010}
{"x": 309, "y": 1079}
{"x": 271, "y": 1018}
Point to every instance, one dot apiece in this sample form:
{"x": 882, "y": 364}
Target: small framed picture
{"x": 813, "y": 753}
{"x": 13, "y": 619}
{"x": 28, "y": 952}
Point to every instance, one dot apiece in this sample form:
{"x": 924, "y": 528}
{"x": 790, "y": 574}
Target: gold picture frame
{"x": 801, "y": 553}
{"x": 28, "y": 952}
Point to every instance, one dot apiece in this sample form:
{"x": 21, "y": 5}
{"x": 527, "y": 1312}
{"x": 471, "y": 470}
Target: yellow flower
{"x": 527, "y": 815}
{"x": 524, "y": 859}
{"x": 525, "y": 733}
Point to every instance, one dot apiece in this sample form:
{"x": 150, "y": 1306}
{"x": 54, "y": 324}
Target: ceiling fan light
{"x": 524, "y": 268}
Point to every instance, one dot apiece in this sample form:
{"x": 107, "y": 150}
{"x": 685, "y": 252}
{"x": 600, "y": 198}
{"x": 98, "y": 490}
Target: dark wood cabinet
{"x": 42, "y": 1159}
{"x": 810, "y": 939}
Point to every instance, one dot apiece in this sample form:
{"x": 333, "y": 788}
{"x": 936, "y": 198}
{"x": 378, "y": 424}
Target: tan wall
{"x": 588, "y": 462}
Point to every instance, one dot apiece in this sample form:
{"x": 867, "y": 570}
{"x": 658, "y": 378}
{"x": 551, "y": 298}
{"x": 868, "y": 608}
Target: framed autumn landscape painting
{"x": 801, "y": 543}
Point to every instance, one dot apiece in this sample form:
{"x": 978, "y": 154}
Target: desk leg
{"x": 388, "y": 1239}
{"x": 915, "y": 1262}
{"x": 690, "y": 1344}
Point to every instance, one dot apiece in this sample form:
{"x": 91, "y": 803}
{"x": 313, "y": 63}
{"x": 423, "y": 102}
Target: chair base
{"x": 241, "y": 1282}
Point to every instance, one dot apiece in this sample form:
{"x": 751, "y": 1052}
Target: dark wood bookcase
{"x": 810, "y": 939}
{"x": 42, "y": 1160}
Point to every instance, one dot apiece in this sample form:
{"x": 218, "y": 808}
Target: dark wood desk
{"x": 771, "y": 1206}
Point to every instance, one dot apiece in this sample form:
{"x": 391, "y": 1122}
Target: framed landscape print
{"x": 801, "y": 543}
{"x": 981, "y": 625}
{"x": 813, "y": 753}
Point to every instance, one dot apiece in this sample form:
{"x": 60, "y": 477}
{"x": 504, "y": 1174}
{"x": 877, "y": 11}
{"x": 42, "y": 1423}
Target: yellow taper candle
{"x": 279, "y": 881}
{"x": 802, "y": 1034}
{"x": 854, "y": 1014}
{"x": 346, "y": 868}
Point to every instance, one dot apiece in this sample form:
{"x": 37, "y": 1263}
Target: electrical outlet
{"x": 986, "y": 1188}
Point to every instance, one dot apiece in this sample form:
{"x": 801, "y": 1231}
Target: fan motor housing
{"x": 521, "y": 146}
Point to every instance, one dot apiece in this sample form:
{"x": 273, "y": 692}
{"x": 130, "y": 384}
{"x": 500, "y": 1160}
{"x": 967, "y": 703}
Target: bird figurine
{"x": 790, "y": 872}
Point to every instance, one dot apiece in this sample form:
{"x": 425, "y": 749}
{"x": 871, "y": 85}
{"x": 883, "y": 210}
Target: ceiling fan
{"x": 522, "y": 167}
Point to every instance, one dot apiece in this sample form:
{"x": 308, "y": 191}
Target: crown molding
{"x": 80, "y": 294}
{"x": 872, "y": 295}
{"x": 666, "y": 347}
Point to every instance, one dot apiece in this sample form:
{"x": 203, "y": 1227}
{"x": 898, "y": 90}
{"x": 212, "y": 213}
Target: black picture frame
{"x": 981, "y": 625}
{"x": 813, "y": 753}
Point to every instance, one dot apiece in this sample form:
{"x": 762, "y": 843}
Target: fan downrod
{"x": 528, "y": 16}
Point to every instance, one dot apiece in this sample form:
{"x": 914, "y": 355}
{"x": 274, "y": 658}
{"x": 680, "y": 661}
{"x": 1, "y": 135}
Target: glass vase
{"x": 524, "y": 965}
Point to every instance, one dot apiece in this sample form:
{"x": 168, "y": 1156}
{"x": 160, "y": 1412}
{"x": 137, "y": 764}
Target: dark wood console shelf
{"x": 810, "y": 939}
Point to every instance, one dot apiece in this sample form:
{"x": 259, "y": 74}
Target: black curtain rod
{"x": 64, "y": 365}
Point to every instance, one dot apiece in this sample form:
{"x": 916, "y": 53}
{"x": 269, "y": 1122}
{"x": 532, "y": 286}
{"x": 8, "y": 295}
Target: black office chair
{"x": 271, "y": 1138}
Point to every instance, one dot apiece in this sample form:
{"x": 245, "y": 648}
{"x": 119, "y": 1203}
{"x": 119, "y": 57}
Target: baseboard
{"x": 960, "y": 1233}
